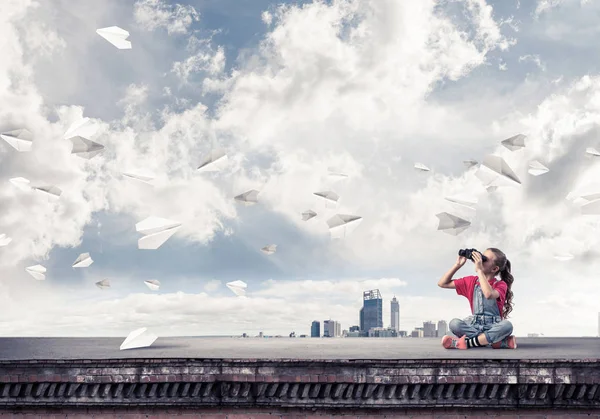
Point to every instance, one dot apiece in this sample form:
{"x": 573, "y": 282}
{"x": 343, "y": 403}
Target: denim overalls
{"x": 485, "y": 319}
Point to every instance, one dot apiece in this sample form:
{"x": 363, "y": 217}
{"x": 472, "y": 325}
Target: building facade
{"x": 429, "y": 330}
{"x": 315, "y": 329}
{"x": 442, "y": 328}
{"x": 372, "y": 312}
{"x": 332, "y": 329}
{"x": 395, "y": 314}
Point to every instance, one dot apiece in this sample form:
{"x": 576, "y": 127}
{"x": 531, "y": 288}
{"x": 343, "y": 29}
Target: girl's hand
{"x": 478, "y": 261}
{"x": 460, "y": 261}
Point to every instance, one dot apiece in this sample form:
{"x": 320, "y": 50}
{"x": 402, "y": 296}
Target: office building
{"x": 331, "y": 329}
{"x": 395, "y": 314}
{"x": 315, "y": 329}
{"x": 442, "y": 328}
{"x": 428, "y": 329}
{"x": 371, "y": 314}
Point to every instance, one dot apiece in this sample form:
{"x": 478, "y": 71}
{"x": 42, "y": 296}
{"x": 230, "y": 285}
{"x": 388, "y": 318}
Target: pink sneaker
{"x": 454, "y": 343}
{"x": 506, "y": 343}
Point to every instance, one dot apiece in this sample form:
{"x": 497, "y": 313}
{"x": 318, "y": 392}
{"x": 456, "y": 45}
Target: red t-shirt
{"x": 466, "y": 286}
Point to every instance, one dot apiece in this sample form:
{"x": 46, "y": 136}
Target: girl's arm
{"x": 446, "y": 280}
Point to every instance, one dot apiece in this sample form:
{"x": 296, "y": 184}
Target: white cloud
{"x": 535, "y": 58}
{"x": 175, "y": 18}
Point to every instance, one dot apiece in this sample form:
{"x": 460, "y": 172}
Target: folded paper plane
{"x": 342, "y": 225}
{"x": 84, "y": 260}
{"x": 37, "y": 271}
{"x": 156, "y": 232}
{"x": 82, "y": 128}
{"x": 153, "y": 284}
{"x": 422, "y": 167}
{"x": 328, "y": 195}
{"x": 451, "y": 224}
{"x": 21, "y": 183}
{"x": 470, "y": 163}
{"x": 19, "y": 139}
{"x": 308, "y": 214}
{"x": 237, "y": 287}
{"x": 592, "y": 152}
{"x": 84, "y": 148}
{"x": 515, "y": 143}
{"x": 4, "y": 240}
{"x": 140, "y": 338}
{"x": 116, "y": 36}
{"x": 563, "y": 257}
{"x": 269, "y": 249}
{"x": 50, "y": 190}
{"x": 214, "y": 162}
{"x": 104, "y": 284}
{"x": 494, "y": 171}
{"x": 464, "y": 200}
{"x": 141, "y": 176}
{"x": 248, "y": 198}
{"x": 591, "y": 208}
{"x": 536, "y": 168}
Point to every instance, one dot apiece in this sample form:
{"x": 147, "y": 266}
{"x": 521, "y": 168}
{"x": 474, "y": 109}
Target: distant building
{"x": 533, "y": 335}
{"x": 354, "y": 329}
{"x": 371, "y": 314}
{"x": 402, "y": 333}
{"x": 395, "y": 314}
{"x": 428, "y": 329}
{"x": 417, "y": 333}
{"x": 315, "y": 329}
{"x": 381, "y": 332}
{"x": 442, "y": 328}
{"x": 332, "y": 329}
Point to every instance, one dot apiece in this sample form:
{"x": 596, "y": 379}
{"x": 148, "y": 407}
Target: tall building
{"x": 395, "y": 312}
{"x": 332, "y": 329}
{"x": 428, "y": 330}
{"x": 315, "y": 329}
{"x": 372, "y": 311}
{"x": 442, "y": 328}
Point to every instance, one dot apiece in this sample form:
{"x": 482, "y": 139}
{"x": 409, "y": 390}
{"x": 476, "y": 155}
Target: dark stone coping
{"x": 294, "y": 383}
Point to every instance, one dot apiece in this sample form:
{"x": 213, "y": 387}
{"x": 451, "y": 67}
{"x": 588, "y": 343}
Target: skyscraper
{"x": 331, "y": 329}
{"x": 428, "y": 330}
{"x": 442, "y": 328}
{"x": 372, "y": 311}
{"x": 315, "y": 329}
{"x": 395, "y": 311}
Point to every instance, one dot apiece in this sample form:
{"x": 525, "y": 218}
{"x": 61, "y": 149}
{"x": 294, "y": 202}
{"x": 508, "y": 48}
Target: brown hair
{"x": 504, "y": 268}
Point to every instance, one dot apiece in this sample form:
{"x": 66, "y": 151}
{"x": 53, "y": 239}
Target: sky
{"x": 292, "y": 90}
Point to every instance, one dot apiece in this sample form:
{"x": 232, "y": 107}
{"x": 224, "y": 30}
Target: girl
{"x": 490, "y": 300}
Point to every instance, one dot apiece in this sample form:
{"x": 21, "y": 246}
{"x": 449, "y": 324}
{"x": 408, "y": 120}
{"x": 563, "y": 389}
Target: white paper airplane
{"x": 105, "y": 283}
{"x": 140, "y": 338}
{"x": 536, "y": 168}
{"x": 592, "y": 151}
{"x": 422, "y": 167}
{"x": 269, "y": 249}
{"x": 470, "y": 163}
{"x": 464, "y": 200}
{"x": 21, "y": 183}
{"x": 248, "y": 198}
{"x": 37, "y": 271}
{"x": 335, "y": 175}
{"x": 156, "y": 232}
{"x": 153, "y": 284}
{"x": 4, "y": 240}
{"x": 563, "y": 257}
{"x": 328, "y": 195}
{"x": 308, "y": 214}
{"x": 141, "y": 176}
{"x": 84, "y": 260}
{"x": 116, "y": 36}
{"x": 591, "y": 208}
{"x": 52, "y": 191}
{"x": 342, "y": 225}
{"x": 216, "y": 161}
{"x": 84, "y": 148}
{"x": 82, "y": 128}
{"x": 451, "y": 224}
{"x": 494, "y": 171}
{"x": 515, "y": 143}
{"x": 19, "y": 139}
{"x": 238, "y": 287}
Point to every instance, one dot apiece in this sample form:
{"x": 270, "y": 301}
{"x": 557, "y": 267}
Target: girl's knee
{"x": 456, "y": 326}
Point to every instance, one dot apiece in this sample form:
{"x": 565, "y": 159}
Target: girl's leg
{"x": 496, "y": 332}
{"x": 461, "y": 328}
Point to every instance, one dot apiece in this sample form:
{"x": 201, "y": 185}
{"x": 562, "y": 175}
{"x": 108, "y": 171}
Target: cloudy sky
{"x": 289, "y": 90}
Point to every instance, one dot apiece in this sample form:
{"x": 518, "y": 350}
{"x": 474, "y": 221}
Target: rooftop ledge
{"x": 376, "y": 373}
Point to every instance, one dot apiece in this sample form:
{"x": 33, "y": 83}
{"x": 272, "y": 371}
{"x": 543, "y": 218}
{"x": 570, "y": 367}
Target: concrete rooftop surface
{"x": 28, "y": 348}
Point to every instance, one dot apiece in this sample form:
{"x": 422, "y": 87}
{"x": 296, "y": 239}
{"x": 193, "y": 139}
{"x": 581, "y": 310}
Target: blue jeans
{"x": 493, "y": 327}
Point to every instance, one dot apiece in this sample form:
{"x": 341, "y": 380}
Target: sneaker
{"x": 506, "y": 343}
{"x": 449, "y": 342}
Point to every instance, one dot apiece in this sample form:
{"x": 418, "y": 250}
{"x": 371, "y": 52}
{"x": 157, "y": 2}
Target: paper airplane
{"x": 563, "y": 257}
{"x": 269, "y": 249}
{"x": 515, "y": 143}
{"x": 140, "y": 176}
{"x": 140, "y": 338}
{"x": 591, "y": 208}
{"x": 4, "y": 240}
{"x": 19, "y": 139}
{"x": 153, "y": 284}
{"x": 342, "y": 225}
{"x": 82, "y": 128}
{"x": 592, "y": 151}
{"x": 328, "y": 195}
{"x": 470, "y": 163}
{"x": 21, "y": 183}
{"x": 248, "y": 198}
{"x": 215, "y": 162}
{"x": 238, "y": 287}
{"x": 494, "y": 171}
{"x": 308, "y": 214}
{"x": 464, "y": 200}
{"x": 37, "y": 271}
{"x": 116, "y": 36}
{"x": 53, "y": 191}
{"x": 83, "y": 261}
{"x": 421, "y": 167}
{"x": 536, "y": 168}
{"x": 156, "y": 231}
{"x": 105, "y": 283}
{"x": 451, "y": 224}
{"x": 335, "y": 174}
{"x": 84, "y": 148}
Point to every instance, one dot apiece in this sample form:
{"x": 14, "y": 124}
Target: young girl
{"x": 490, "y": 300}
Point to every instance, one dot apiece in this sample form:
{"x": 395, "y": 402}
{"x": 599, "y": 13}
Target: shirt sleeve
{"x": 463, "y": 285}
{"x": 502, "y": 288}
